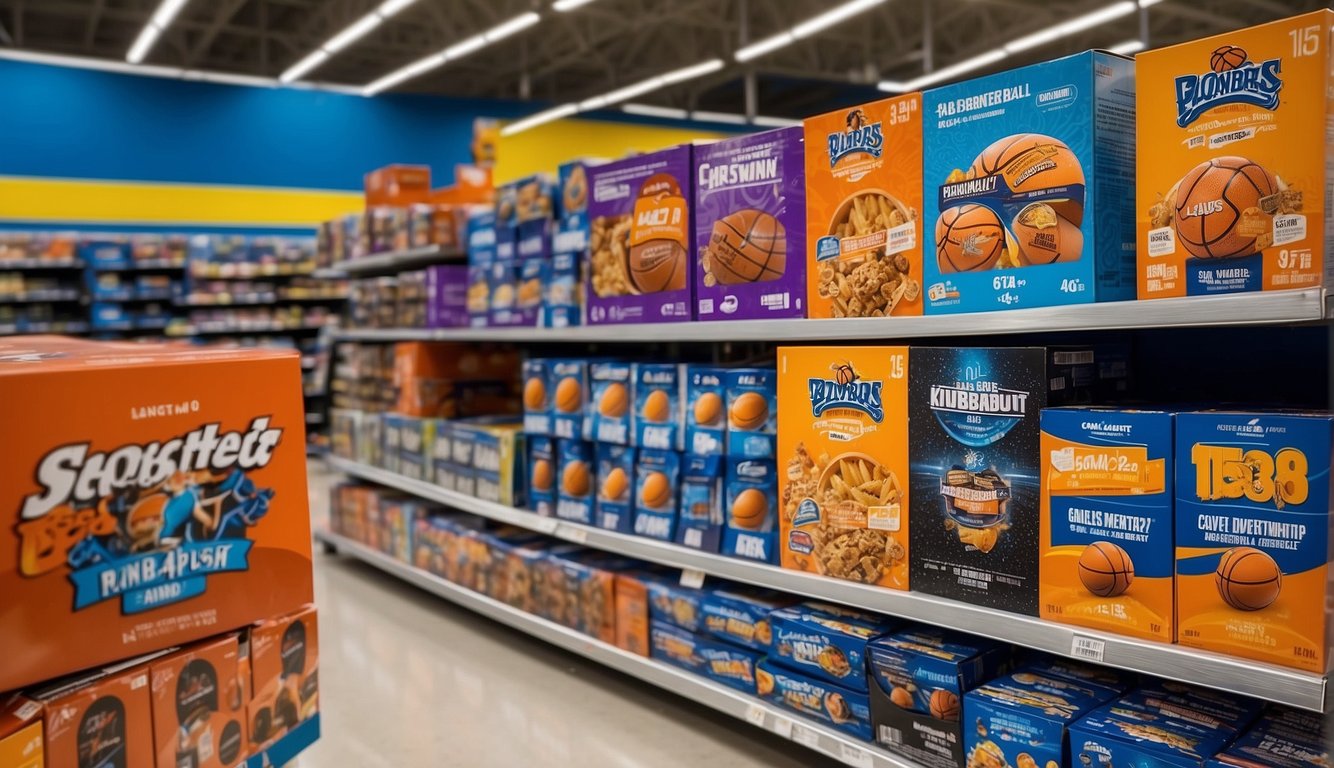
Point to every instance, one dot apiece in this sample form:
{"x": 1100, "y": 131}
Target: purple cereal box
{"x": 447, "y": 296}
{"x": 640, "y": 243}
{"x": 750, "y": 227}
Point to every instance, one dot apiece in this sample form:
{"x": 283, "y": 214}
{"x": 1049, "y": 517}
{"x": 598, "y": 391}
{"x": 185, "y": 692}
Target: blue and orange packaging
{"x": 284, "y": 671}
{"x": 533, "y": 240}
{"x": 842, "y": 708}
{"x": 102, "y": 718}
{"x": 497, "y": 460}
{"x": 537, "y": 395}
{"x": 611, "y": 402}
{"x": 442, "y": 457}
{"x": 1022, "y": 718}
{"x": 572, "y": 206}
{"x": 574, "y": 481}
{"x": 615, "y": 480}
{"x": 416, "y": 442}
{"x": 533, "y": 275}
{"x": 1203, "y": 706}
{"x": 1253, "y": 535}
{"x": 705, "y": 410}
{"x": 1057, "y": 666}
{"x": 534, "y": 198}
{"x": 480, "y": 235}
{"x": 1107, "y": 557}
{"x": 659, "y": 406}
{"x": 740, "y": 615}
{"x": 699, "y": 523}
{"x": 1283, "y": 738}
{"x": 826, "y": 641}
{"x": 751, "y": 395}
{"x": 1117, "y": 735}
{"x": 199, "y": 706}
{"x": 479, "y": 294}
{"x": 465, "y": 480}
{"x": 750, "y": 501}
{"x": 503, "y": 283}
{"x": 657, "y": 491}
{"x": 116, "y": 449}
{"x": 675, "y": 604}
{"x": 567, "y": 381}
{"x": 21, "y": 744}
{"x": 1033, "y": 217}
{"x": 928, "y": 669}
{"x": 541, "y": 492}
{"x": 727, "y": 664}
{"x": 562, "y": 304}
{"x": 390, "y": 436}
{"x": 507, "y": 238}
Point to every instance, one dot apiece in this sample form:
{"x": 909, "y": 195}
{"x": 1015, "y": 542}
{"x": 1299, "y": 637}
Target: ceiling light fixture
{"x": 349, "y": 35}
{"x": 160, "y": 20}
{"x": 168, "y": 73}
{"x": 561, "y": 6}
{"x": 805, "y": 29}
{"x": 454, "y": 52}
{"x": 1128, "y": 47}
{"x": 1040, "y": 37}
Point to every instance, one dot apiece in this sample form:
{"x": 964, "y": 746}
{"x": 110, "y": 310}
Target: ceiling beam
{"x": 226, "y": 11}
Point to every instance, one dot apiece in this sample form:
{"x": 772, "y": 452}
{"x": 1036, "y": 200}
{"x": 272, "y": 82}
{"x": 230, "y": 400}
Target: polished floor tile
{"x": 408, "y": 679}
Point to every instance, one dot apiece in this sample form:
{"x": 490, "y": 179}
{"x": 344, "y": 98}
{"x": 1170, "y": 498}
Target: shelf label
{"x": 1087, "y": 648}
{"x": 572, "y": 533}
{"x": 805, "y": 736}
{"x": 782, "y": 726}
{"x": 851, "y": 754}
{"x": 546, "y": 525}
{"x": 755, "y": 715}
{"x": 692, "y": 578}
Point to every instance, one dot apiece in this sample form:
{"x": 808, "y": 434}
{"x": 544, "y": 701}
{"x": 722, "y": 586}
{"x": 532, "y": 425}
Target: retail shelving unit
{"x": 1174, "y": 662}
{"x": 393, "y": 261}
{"x": 814, "y": 735}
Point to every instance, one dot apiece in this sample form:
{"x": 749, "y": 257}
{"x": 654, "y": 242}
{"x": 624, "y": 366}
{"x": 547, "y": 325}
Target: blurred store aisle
{"x": 410, "y": 680}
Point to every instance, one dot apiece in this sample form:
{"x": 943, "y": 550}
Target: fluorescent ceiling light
{"x": 561, "y": 6}
{"x": 807, "y": 28}
{"x": 347, "y": 36}
{"x": 1128, "y": 47}
{"x": 532, "y": 121}
{"x": 649, "y": 110}
{"x": 954, "y": 70}
{"x": 690, "y": 73}
{"x": 454, "y": 52}
{"x": 160, "y": 20}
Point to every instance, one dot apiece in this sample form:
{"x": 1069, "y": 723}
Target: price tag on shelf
{"x": 572, "y": 533}
{"x": 692, "y": 578}
{"x": 755, "y": 715}
{"x": 782, "y": 726}
{"x": 805, "y": 736}
{"x": 546, "y": 525}
{"x": 853, "y": 755}
{"x": 1087, "y": 648}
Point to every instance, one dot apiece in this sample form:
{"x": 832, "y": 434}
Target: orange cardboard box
{"x": 102, "y": 719}
{"x": 843, "y": 441}
{"x": 21, "y": 733}
{"x": 863, "y": 204}
{"x": 632, "y": 614}
{"x": 426, "y": 372}
{"x": 284, "y": 669}
{"x": 398, "y": 185}
{"x": 150, "y": 495}
{"x": 199, "y": 706}
{"x": 1233, "y": 166}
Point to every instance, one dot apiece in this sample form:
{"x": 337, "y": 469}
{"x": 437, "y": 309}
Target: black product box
{"x": 926, "y": 740}
{"x": 973, "y": 435}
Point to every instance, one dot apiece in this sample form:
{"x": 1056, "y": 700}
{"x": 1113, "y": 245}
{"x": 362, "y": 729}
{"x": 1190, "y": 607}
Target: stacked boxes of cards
{"x": 481, "y": 456}
{"x": 480, "y": 235}
{"x": 817, "y": 664}
{"x": 681, "y": 635}
{"x": 563, "y": 289}
{"x": 523, "y": 224}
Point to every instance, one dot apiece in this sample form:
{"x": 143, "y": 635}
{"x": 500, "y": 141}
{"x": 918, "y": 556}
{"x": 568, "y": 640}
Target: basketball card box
{"x": 150, "y": 495}
{"x": 641, "y": 244}
{"x": 1234, "y": 137}
{"x": 1027, "y": 174}
{"x": 750, "y": 227}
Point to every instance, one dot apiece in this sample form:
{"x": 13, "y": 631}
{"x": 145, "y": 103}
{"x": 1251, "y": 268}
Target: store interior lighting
{"x": 452, "y": 53}
{"x": 160, "y": 20}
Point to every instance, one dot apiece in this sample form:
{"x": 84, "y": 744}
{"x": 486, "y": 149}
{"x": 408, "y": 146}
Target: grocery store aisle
{"x": 410, "y": 680}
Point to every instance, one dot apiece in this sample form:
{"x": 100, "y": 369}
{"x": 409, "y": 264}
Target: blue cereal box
{"x": 752, "y": 412}
{"x": 660, "y": 393}
{"x": 542, "y": 475}
{"x": 442, "y": 461}
{"x": 536, "y": 397}
{"x": 480, "y": 236}
{"x": 561, "y": 307}
{"x": 506, "y": 240}
{"x": 479, "y": 294}
{"x": 465, "y": 481}
{"x": 503, "y": 282}
{"x": 568, "y": 380}
{"x": 533, "y": 275}
{"x": 701, "y": 654}
{"x": 390, "y": 436}
{"x": 1056, "y": 666}
{"x": 1284, "y": 738}
{"x": 615, "y": 486}
{"x": 705, "y": 410}
{"x": 1203, "y": 706}
{"x": 1253, "y": 535}
{"x": 1106, "y": 543}
{"x": 1117, "y": 734}
{"x": 750, "y": 496}
{"x": 497, "y": 457}
{"x": 843, "y": 708}
{"x": 1021, "y": 719}
{"x": 1027, "y": 177}
{"x": 657, "y": 482}
{"x": 670, "y": 602}
{"x": 826, "y": 641}
{"x": 416, "y": 442}
{"x": 699, "y": 524}
{"x": 574, "y": 492}
{"x": 741, "y": 615}
{"x": 533, "y": 240}
{"x": 572, "y": 200}
{"x": 611, "y": 399}
{"x": 928, "y": 669}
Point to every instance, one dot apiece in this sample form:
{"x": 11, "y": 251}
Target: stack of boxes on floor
{"x": 160, "y": 606}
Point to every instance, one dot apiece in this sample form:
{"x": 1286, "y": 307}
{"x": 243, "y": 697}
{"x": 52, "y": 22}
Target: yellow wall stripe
{"x": 27, "y": 199}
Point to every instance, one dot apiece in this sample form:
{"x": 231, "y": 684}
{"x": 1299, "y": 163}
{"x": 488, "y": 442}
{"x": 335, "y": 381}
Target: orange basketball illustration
{"x": 574, "y": 480}
{"x": 708, "y": 408}
{"x": 655, "y": 490}
{"x": 569, "y": 395}
{"x": 748, "y": 246}
{"x": 749, "y": 509}
{"x": 1105, "y": 569}
{"x": 534, "y": 394}
{"x": 749, "y": 411}
{"x": 1031, "y": 162}
{"x": 614, "y": 401}
{"x": 658, "y": 265}
{"x": 1043, "y": 236}
{"x": 968, "y": 238}
{"x": 944, "y": 705}
{"x": 844, "y": 374}
{"x": 1248, "y": 579}
{"x": 542, "y": 475}
{"x": 901, "y": 696}
{"x": 1218, "y": 207}
{"x": 1227, "y": 57}
{"x": 657, "y": 406}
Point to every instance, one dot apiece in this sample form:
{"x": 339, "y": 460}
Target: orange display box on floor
{"x": 103, "y": 719}
{"x": 21, "y": 733}
{"x": 284, "y": 669}
{"x": 150, "y": 495}
{"x": 199, "y": 707}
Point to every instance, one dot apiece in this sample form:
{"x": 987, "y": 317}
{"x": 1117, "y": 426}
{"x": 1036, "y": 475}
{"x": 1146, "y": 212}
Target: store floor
{"x": 408, "y": 679}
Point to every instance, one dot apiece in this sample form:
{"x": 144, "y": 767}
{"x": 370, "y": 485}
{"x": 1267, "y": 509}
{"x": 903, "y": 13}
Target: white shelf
{"x": 1175, "y": 662}
{"x": 809, "y": 733}
{"x": 1275, "y": 307}
{"x": 391, "y": 262}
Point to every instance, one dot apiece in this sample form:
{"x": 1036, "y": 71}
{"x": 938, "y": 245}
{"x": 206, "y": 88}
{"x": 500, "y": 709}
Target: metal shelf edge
{"x": 412, "y": 257}
{"x": 839, "y": 746}
{"x": 1175, "y": 662}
